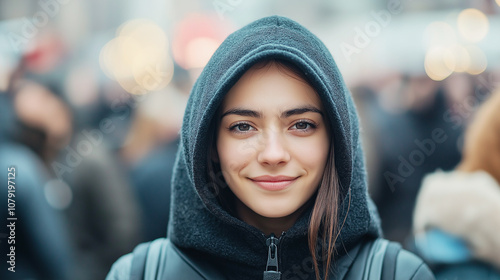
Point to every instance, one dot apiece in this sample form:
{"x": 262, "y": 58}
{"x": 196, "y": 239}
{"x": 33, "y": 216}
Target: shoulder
{"x": 383, "y": 259}
{"x": 121, "y": 268}
{"x": 409, "y": 266}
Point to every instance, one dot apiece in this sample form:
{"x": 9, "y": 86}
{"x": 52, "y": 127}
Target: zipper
{"x": 272, "y": 269}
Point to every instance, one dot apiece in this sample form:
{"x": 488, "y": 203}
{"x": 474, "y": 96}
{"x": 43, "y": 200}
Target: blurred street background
{"x": 92, "y": 95}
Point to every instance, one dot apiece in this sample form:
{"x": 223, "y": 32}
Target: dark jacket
{"x": 42, "y": 246}
{"x": 199, "y": 223}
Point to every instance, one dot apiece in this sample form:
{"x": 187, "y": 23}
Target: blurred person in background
{"x": 86, "y": 183}
{"x": 456, "y": 220}
{"x": 149, "y": 153}
{"x": 87, "y": 25}
{"x": 45, "y": 117}
{"x": 104, "y": 215}
{"x": 397, "y": 124}
{"x": 36, "y": 125}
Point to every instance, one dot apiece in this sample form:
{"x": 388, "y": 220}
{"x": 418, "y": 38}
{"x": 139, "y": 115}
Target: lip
{"x": 273, "y": 183}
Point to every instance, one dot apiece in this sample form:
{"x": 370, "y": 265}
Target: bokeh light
{"x": 196, "y": 39}
{"x": 445, "y": 54}
{"x": 199, "y": 51}
{"x": 138, "y": 57}
{"x": 462, "y": 58}
{"x": 439, "y": 63}
{"x": 81, "y": 86}
{"x": 473, "y": 25}
{"x": 58, "y": 194}
{"x": 478, "y": 60}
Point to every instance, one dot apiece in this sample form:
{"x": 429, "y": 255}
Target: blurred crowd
{"x": 91, "y": 122}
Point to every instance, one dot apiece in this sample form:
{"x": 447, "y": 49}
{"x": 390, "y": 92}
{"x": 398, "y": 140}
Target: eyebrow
{"x": 256, "y": 114}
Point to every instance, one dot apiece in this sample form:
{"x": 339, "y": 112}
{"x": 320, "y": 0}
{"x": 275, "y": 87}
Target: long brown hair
{"x": 323, "y": 226}
{"x": 324, "y": 217}
{"x": 481, "y": 149}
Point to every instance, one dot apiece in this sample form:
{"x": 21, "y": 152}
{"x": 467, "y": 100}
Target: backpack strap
{"x": 161, "y": 259}
{"x": 145, "y": 259}
{"x": 389, "y": 266}
{"x": 384, "y": 259}
{"x": 156, "y": 259}
{"x": 376, "y": 260}
{"x": 139, "y": 261}
{"x": 184, "y": 265}
{"x": 359, "y": 266}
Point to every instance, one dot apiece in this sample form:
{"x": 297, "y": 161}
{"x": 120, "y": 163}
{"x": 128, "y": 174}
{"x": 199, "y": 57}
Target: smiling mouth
{"x": 273, "y": 183}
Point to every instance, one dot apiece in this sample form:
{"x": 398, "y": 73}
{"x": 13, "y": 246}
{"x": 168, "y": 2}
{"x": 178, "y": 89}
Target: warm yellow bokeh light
{"x": 498, "y": 2}
{"x": 478, "y": 60}
{"x": 138, "y": 57}
{"x": 439, "y": 63}
{"x": 462, "y": 58}
{"x": 155, "y": 76}
{"x": 144, "y": 31}
{"x": 125, "y": 51}
{"x": 473, "y": 25}
{"x": 104, "y": 60}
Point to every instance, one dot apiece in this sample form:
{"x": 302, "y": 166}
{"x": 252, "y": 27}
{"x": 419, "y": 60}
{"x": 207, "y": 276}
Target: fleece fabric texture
{"x": 465, "y": 205}
{"x": 198, "y": 222}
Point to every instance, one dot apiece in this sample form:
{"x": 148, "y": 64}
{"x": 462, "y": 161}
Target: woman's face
{"x": 272, "y": 141}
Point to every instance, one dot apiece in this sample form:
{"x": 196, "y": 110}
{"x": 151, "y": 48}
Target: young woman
{"x": 269, "y": 180}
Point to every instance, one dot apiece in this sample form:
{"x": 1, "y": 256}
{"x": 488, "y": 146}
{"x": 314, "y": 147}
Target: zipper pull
{"x": 272, "y": 272}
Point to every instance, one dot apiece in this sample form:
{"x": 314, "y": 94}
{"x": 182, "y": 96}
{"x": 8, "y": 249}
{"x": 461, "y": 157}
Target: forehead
{"x": 271, "y": 86}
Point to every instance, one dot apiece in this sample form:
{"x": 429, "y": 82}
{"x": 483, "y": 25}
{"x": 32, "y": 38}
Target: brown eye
{"x": 304, "y": 126}
{"x": 301, "y": 125}
{"x": 243, "y": 127}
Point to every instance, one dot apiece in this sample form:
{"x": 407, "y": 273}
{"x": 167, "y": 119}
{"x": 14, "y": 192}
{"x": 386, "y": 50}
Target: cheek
{"x": 234, "y": 154}
{"x": 313, "y": 152}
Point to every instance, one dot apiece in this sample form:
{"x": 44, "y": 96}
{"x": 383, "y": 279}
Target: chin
{"x": 275, "y": 214}
{"x": 277, "y": 210}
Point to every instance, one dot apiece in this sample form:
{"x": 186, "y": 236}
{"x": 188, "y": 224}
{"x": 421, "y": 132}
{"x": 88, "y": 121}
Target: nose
{"x": 273, "y": 150}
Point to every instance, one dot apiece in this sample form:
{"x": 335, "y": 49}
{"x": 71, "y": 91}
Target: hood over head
{"x": 197, "y": 219}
